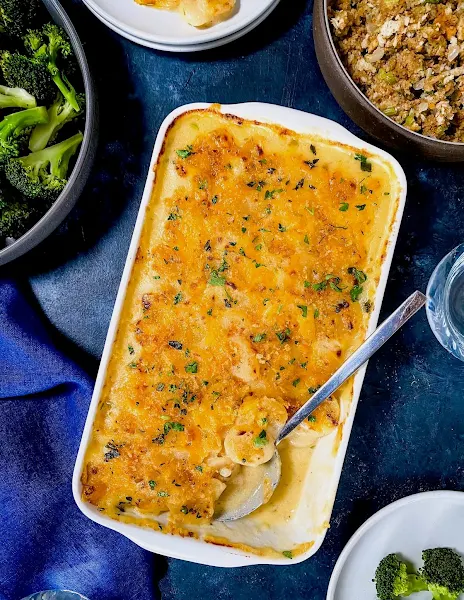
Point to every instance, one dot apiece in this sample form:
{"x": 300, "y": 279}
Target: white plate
{"x": 309, "y": 519}
{"x": 185, "y": 48}
{"x": 408, "y": 526}
{"x": 168, "y": 27}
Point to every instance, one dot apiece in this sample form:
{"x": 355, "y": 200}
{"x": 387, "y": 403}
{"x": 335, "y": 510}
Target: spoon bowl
{"x": 254, "y": 486}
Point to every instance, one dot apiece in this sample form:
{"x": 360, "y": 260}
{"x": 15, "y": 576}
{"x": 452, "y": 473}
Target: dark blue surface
{"x": 409, "y": 430}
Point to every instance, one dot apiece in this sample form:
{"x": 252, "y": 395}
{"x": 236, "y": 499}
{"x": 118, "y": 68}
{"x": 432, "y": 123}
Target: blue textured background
{"x": 409, "y": 429}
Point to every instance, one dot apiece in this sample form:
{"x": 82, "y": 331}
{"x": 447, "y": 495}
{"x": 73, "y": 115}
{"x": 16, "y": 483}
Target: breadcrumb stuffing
{"x": 407, "y": 56}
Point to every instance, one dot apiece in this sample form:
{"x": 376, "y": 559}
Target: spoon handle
{"x": 356, "y": 360}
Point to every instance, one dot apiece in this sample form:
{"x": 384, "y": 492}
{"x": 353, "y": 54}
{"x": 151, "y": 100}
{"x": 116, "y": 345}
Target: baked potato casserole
{"x": 199, "y": 13}
{"x": 254, "y": 280}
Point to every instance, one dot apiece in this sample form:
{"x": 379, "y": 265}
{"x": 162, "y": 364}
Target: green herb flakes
{"x": 261, "y": 440}
{"x": 360, "y": 206}
{"x": 365, "y": 164}
{"x": 304, "y": 310}
{"x": 259, "y": 337}
{"x": 284, "y": 335}
{"x": 344, "y": 206}
{"x": 288, "y": 553}
{"x": 178, "y": 298}
{"x": 162, "y": 494}
{"x": 186, "y": 152}
{"x": 296, "y": 382}
{"x": 152, "y": 484}
{"x": 191, "y": 367}
{"x": 216, "y": 279}
{"x": 131, "y": 349}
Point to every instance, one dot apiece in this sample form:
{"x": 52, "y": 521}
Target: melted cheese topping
{"x": 256, "y": 272}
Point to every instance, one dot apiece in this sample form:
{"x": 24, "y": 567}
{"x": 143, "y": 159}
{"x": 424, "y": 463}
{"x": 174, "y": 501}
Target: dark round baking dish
{"x": 360, "y": 108}
{"x": 78, "y": 178}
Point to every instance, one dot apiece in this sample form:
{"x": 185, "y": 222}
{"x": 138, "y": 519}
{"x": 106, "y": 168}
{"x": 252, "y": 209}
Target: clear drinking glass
{"x": 56, "y": 595}
{"x": 445, "y": 302}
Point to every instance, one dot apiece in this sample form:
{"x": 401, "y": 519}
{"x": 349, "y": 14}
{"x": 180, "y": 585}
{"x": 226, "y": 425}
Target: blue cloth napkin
{"x": 45, "y": 541}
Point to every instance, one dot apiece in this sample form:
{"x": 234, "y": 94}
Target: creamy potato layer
{"x": 254, "y": 280}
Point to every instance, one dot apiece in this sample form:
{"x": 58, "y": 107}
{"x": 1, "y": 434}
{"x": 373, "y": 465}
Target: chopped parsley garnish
{"x": 216, "y": 279}
{"x": 363, "y": 189}
{"x": 207, "y": 246}
{"x": 360, "y": 206}
{"x": 214, "y": 199}
{"x": 259, "y": 247}
{"x": 312, "y": 419}
{"x": 313, "y": 390}
{"x": 175, "y": 345}
{"x": 163, "y": 494}
{"x": 191, "y": 367}
{"x": 307, "y": 284}
{"x": 241, "y": 251}
{"x": 359, "y": 276}
{"x": 156, "y": 277}
{"x": 173, "y": 217}
{"x": 284, "y": 335}
{"x": 199, "y": 468}
{"x": 269, "y": 195}
{"x": 152, "y": 484}
{"x": 251, "y": 184}
{"x": 288, "y": 553}
{"x": 365, "y": 164}
{"x": 306, "y": 239}
{"x": 355, "y": 292}
{"x": 304, "y": 310}
{"x": 316, "y": 313}
{"x": 282, "y": 228}
{"x": 186, "y": 152}
{"x": 261, "y": 440}
{"x": 184, "y": 510}
{"x": 203, "y": 185}
{"x": 259, "y": 337}
{"x": 299, "y": 185}
{"x": 131, "y": 349}
{"x": 243, "y": 229}
{"x": 177, "y": 298}
{"x": 344, "y": 206}
{"x": 296, "y": 382}
{"x": 313, "y": 149}
{"x": 160, "y": 387}
{"x": 172, "y": 425}
{"x": 263, "y": 161}
{"x": 209, "y": 311}
{"x": 113, "y": 451}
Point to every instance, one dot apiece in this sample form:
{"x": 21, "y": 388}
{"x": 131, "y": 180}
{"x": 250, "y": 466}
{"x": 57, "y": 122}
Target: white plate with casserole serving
{"x": 306, "y": 522}
{"x": 168, "y": 27}
{"x": 185, "y": 47}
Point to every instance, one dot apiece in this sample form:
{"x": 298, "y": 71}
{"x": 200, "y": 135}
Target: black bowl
{"x": 78, "y": 178}
{"x": 360, "y": 108}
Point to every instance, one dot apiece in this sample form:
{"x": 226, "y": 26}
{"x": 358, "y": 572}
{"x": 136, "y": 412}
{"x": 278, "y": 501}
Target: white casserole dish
{"x": 318, "y": 499}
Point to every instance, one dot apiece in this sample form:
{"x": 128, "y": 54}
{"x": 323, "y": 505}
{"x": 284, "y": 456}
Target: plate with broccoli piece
{"x": 47, "y": 122}
{"x": 413, "y": 548}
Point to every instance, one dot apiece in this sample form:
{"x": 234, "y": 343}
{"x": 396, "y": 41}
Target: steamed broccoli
{"x": 16, "y": 98}
{"x": 443, "y": 573}
{"x": 28, "y": 73}
{"x": 16, "y": 16}
{"x": 43, "y": 174}
{"x": 16, "y": 217}
{"x": 13, "y": 126}
{"x": 48, "y": 46}
{"x": 392, "y": 579}
{"x": 59, "y": 113}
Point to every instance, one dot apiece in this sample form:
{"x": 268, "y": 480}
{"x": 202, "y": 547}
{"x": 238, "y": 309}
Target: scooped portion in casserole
{"x": 254, "y": 279}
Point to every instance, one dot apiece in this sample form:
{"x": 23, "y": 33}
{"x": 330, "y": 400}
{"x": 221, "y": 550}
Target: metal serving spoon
{"x": 267, "y": 476}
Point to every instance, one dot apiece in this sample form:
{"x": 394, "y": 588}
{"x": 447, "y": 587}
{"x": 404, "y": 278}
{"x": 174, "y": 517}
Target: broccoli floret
{"x": 59, "y": 113}
{"x": 43, "y": 174}
{"x": 16, "y": 98}
{"x": 443, "y": 572}
{"x": 19, "y": 15}
{"x": 29, "y": 74}
{"x": 12, "y": 128}
{"x": 49, "y": 46}
{"x": 16, "y": 217}
{"x": 392, "y": 579}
